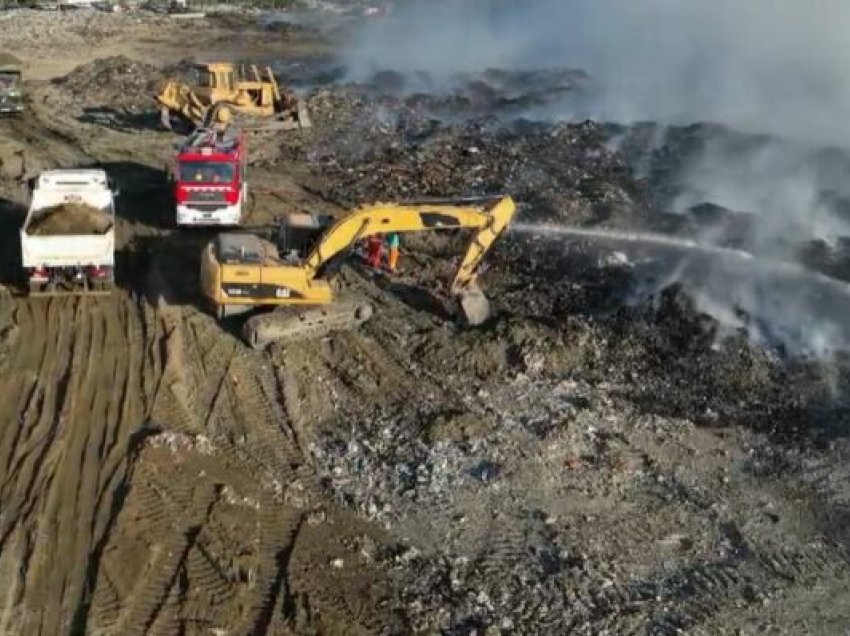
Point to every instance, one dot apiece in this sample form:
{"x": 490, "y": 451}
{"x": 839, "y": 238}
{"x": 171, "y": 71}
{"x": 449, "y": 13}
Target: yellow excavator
{"x": 253, "y": 95}
{"x": 241, "y": 271}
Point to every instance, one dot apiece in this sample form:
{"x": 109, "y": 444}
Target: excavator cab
{"x": 239, "y": 249}
{"x": 298, "y": 234}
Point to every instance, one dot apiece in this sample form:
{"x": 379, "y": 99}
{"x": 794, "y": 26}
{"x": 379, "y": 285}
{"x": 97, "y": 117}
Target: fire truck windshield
{"x": 206, "y": 172}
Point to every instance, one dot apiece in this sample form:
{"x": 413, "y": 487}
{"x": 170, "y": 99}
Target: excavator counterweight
{"x": 240, "y": 272}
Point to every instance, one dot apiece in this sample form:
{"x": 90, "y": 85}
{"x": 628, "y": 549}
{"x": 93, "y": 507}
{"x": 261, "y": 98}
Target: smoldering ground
{"x": 772, "y": 76}
{"x": 761, "y": 66}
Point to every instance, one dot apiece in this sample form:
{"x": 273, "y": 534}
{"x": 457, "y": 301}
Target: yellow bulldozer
{"x": 291, "y": 276}
{"x": 251, "y": 93}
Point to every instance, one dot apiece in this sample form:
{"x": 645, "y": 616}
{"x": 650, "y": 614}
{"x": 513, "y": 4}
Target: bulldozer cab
{"x": 215, "y": 77}
{"x": 242, "y": 85}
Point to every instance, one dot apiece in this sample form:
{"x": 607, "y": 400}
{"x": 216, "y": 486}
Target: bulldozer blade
{"x": 474, "y": 307}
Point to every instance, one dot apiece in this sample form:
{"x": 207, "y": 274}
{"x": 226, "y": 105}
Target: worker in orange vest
{"x": 393, "y": 242}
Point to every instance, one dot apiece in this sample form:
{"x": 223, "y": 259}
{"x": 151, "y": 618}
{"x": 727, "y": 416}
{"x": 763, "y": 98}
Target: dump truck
{"x": 251, "y": 93}
{"x": 11, "y": 85}
{"x": 68, "y": 236}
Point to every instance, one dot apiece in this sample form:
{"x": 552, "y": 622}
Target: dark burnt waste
{"x": 603, "y": 347}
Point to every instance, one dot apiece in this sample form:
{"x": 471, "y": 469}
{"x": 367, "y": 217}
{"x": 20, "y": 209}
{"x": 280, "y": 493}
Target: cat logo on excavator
{"x": 248, "y": 91}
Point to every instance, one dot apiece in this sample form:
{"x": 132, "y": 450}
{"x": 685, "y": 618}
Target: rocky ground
{"x": 592, "y": 460}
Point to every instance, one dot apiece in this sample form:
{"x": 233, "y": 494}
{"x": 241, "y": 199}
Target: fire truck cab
{"x": 208, "y": 177}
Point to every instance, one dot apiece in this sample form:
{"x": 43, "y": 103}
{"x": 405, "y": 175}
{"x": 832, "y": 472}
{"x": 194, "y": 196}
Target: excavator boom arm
{"x": 500, "y": 216}
{"x": 489, "y": 216}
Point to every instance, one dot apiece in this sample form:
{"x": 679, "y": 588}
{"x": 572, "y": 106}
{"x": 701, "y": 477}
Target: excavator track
{"x": 290, "y": 323}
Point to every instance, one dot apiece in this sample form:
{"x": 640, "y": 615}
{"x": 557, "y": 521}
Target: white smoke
{"x": 785, "y": 185}
{"x": 775, "y": 66}
{"x": 778, "y": 68}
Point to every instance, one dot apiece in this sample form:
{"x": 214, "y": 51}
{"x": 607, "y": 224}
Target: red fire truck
{"x": 208, "y": 175}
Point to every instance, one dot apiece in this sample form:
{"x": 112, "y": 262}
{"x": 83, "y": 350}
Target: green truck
{"x": 11, "y": 84}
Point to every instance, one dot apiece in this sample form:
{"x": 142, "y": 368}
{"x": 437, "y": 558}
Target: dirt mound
{"x": 27, "y": 29}
{"x": 287, "y": 29}
{"x": 116, "y": 81}
{"x": 70, "y": 218}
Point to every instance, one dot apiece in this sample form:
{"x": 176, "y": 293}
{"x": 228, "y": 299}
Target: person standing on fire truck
{"x": 223, "y": 119}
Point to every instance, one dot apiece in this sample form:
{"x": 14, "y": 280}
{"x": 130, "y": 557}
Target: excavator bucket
{"x": 473, "y": 305}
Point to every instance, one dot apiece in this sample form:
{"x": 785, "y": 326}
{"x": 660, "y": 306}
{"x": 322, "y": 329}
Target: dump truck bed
{"x": 70, "y": 221}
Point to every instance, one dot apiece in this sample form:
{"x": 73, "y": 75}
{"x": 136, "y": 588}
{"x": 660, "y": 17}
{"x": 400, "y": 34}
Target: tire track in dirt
{"x": 238, "y": 393}
{"x": 686, "y": 599}
{"x": 39, "y": 424}
{"x": 25, "y": 388}
{"x": 177, "y": 500}
{"x": 85, "y": 368}
{"x": 151, "y": 481}
{"x": 237, "y": 396}
{"x": 179, "y": 509}
{"x": 215, "y": 356}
